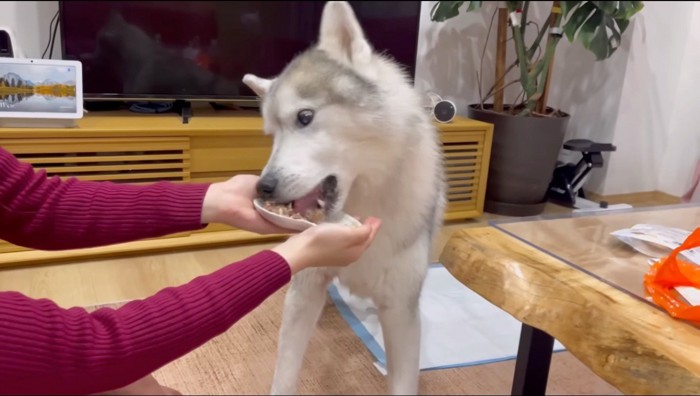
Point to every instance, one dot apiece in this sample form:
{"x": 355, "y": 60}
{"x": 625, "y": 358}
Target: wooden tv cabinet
{"x": 121, "y": 146}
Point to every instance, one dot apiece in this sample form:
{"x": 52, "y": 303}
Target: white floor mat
{"x": 459, "y": 327}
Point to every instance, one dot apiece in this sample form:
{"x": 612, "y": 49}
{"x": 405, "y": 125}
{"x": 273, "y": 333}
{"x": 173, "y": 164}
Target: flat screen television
{"x": 200, "y": 50}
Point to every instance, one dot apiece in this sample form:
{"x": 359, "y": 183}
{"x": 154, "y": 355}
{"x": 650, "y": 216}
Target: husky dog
{"x": 350, "y": 134}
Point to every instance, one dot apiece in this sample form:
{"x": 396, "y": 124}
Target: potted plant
{"x": 528, "y": 134}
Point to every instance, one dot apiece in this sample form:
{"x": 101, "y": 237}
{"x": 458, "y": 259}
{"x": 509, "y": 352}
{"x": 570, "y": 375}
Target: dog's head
{"x": 322, "y": 111}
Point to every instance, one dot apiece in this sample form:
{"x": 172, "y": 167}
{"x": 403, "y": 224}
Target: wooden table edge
{"x": 632, "y": 345}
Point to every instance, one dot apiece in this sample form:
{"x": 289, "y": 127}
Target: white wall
{"x": 658, "y": 139}
{"x": 642, "y": 99}
{"x": 30, "y": 21}
{"x": 682, "y": 145}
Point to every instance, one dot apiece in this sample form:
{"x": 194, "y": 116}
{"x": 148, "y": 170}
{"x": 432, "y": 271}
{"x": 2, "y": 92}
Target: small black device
{"x": 6, "y": 50}
{"x": 442, "y": 110}
{"x": 569, "y": 178}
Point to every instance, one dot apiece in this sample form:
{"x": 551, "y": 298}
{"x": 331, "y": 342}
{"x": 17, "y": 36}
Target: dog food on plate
{"x": 315, "y": 216}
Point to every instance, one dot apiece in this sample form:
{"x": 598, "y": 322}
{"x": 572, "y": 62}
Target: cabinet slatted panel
{"x": 463, "y": 154}
{"x": 118, "y": 160}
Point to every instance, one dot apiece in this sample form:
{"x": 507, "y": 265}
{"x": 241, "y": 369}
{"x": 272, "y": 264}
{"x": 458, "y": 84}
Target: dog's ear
{"x": 259, "y": 85}
{"x": 341, "y": 35}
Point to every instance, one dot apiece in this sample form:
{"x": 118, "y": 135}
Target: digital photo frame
{"x": 40, "y": 92}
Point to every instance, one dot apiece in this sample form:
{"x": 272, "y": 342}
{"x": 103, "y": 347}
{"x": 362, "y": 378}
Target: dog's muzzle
{"x": 324, "y": 195}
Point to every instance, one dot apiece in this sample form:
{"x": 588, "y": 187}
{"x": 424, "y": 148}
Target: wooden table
{"x": 568, "y": 278}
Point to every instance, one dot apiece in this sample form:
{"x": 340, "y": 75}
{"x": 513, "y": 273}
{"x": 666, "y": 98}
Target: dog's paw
{"x": 283, "y": 389}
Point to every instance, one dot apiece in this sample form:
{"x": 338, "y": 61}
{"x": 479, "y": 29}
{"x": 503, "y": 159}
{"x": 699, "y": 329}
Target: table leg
{"x": 532, "y": 364}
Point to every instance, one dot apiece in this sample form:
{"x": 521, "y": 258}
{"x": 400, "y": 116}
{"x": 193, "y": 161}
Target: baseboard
{"x": 637, "y": 199}
{"x": 203, "y": 240}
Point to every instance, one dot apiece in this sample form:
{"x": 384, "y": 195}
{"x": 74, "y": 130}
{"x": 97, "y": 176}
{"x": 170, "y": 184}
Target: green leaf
{"x": 599, "y": 25}
{"x": 589, "y": 28}
{"x": 577, "y": 19}
{"x": 623, "y": 8}
{"x": 535, "y": 97}
{"x": 627, "y": 9}
{"x": 608, "y": 7}
{"x": 474, "y": 5}
{"x": 622, "y": 24}
{"x": 638, "y": 6}
{"x": 568, "y": 6}
{"x": 616, "y": 37}
{"x": 444, "y": 10}
{"x": 599, "y": 43}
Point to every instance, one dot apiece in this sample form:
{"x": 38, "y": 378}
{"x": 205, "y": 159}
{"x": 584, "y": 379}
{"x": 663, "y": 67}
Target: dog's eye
{"x": 305, "y": 117}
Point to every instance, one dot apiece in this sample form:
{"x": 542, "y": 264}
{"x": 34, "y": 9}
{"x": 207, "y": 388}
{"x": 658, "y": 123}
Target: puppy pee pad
{"x": 458, "y": 327}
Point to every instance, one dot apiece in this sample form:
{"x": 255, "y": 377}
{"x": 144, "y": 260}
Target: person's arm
{"x": 45, "y": 349}
{"x": 48, "y": 213}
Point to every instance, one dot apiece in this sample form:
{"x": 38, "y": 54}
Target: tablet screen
{"x": 30, "y": 88}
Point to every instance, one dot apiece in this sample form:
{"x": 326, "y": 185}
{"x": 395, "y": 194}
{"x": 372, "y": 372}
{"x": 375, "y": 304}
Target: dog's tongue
{"x": 307, "y": 202}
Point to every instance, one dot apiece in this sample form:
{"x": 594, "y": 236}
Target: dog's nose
{"x": 266, "y": 186}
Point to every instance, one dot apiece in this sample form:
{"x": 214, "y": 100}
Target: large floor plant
{"x": 597, "y": 25}
{"x": 528, "y": 134}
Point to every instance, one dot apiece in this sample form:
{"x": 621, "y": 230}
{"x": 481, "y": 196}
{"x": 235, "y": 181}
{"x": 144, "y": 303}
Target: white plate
{"x": 296, "y": 224}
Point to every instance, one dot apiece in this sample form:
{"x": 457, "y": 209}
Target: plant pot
{"x": 524, "y": 155}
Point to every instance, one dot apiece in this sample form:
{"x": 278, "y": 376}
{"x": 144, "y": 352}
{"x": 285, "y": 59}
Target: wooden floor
{"x": 97, "y": 282}
{"x": 111, "y": 281}
{"x": 114, "y": 280}
{"x": 242, "y": 360}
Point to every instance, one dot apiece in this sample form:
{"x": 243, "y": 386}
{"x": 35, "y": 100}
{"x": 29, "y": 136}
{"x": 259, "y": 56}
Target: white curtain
{"x": 693, "y": 194}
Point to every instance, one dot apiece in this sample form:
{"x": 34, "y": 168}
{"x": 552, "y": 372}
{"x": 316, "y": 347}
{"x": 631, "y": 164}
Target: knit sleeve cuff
{"x": 183, "y": 202}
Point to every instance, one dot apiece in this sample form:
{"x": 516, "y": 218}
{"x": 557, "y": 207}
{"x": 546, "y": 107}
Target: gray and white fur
{"x": 369, "y": 132}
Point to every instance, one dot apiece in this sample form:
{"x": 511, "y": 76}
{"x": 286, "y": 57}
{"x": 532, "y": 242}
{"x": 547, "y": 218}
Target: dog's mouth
{"x": 315, "y": 206}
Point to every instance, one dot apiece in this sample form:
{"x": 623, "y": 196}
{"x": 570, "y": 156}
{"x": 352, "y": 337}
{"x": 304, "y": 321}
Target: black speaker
{"x": 6, "y": 45}
{"x": 442, "y": 110}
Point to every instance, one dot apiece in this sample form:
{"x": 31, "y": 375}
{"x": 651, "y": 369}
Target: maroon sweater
{"x": 46, "y": 349}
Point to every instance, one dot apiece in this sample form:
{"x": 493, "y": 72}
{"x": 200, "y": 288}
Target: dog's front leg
{"x": 401, "y": 330}
{"x": 399, "y": 316}
{"x": 302, "y": 307}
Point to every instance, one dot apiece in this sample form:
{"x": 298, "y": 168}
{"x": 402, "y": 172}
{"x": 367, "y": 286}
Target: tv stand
{"x": 184, "y": 108}
{"x": 217, "y": 106}
{"x": 142, "y": 147}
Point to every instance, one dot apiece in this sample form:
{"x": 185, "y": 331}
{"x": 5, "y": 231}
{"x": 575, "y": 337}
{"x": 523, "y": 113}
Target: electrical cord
{"x": 51, "y": 38}
{"x": 434, "y": 98}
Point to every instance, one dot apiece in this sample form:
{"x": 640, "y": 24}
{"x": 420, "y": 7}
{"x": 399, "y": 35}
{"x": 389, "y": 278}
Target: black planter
{"x": 523, "y": 158}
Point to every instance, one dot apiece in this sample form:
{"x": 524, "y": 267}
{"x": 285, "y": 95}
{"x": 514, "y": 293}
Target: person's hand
{"x": 328, "y": 245}
{"x": 145, "y": 386}
{"x": 231, "y": 202}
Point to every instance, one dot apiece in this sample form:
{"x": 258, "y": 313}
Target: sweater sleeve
{"x": 45, "y": 349}
{"x": 47, "y": 213}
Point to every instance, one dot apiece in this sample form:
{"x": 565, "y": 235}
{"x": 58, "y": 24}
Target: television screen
{"x": 200, "y": 50}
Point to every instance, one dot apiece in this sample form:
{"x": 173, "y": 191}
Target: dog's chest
{"x": 364, "y": 277}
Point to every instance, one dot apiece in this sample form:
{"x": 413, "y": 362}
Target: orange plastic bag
{"x": 671, "y": 272}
